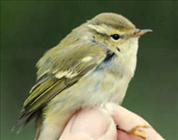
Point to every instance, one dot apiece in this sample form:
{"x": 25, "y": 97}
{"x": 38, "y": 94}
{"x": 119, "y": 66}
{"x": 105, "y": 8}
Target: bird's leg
{"x": 137, "y": 131}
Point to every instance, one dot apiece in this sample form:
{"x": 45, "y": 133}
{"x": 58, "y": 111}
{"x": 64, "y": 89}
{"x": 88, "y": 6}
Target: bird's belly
{"x": 93, "y": 89}
{"x": 102, "y": 87}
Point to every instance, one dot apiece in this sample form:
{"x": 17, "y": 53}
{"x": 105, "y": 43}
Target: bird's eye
{"x": 115, "y": 36}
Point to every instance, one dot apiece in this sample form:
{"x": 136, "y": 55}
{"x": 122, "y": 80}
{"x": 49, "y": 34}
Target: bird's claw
{"x": 138, "y": 131}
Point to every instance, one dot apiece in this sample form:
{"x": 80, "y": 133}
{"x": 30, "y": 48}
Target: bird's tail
{"x": 21, "y": 122}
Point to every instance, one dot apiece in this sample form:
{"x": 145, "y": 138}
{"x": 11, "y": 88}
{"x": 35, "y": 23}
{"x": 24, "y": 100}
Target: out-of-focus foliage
{"x": 28, "y": 29}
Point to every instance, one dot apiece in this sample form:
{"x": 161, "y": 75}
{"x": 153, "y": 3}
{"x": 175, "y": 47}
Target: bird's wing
{"x": 58, "y": 69}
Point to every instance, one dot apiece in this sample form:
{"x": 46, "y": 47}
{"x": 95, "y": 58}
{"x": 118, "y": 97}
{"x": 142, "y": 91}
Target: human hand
{"x": 100, "y": 124}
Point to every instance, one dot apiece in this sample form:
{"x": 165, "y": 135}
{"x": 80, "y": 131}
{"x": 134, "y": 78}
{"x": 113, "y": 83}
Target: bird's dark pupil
{"x": 115, "y": 36}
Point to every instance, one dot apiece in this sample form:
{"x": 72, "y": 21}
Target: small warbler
{"x": 91, "y": 66}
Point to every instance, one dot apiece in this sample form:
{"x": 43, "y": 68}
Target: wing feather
{"x": 66, "y": 61}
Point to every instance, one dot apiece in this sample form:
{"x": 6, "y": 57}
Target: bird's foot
{"x": 138, "y": 131}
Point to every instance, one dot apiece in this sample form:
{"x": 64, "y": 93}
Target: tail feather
{"x": 39, "y": 121}
{"x": 22, "y": 121}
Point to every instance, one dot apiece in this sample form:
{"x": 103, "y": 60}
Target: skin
{"x": 81, "y": 127}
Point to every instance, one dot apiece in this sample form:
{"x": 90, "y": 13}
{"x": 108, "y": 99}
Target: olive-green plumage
{"x": 48, "y": 86}
{"x": 89, "y": 67}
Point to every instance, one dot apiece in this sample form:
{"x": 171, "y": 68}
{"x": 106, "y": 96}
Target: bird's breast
{"x": 102, "y": 85}
{"x": 105, "y": 84}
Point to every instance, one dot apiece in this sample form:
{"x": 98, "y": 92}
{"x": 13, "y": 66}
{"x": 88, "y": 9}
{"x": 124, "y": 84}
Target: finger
{"x": 111, "y": 131}
{"x": 90, "y": 124}
{"x": 77, "y": 136}
{"x": 122, "y": 135}
{"x": 127, "y": 120}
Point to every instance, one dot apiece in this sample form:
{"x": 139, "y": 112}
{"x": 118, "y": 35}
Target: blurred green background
{"x": 28, "y": 29}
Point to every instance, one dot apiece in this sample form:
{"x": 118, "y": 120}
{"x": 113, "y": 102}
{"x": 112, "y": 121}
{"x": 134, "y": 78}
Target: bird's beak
{"x": 140, "y": 32}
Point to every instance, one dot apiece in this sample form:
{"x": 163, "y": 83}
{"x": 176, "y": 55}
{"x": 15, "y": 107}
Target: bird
{"x": 91, "y": 66}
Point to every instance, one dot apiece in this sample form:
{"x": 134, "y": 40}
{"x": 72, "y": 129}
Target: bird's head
{"x": 114, "y": 31}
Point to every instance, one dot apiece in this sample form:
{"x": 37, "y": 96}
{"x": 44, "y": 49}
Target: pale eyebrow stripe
{"x": 99, "y": 30}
